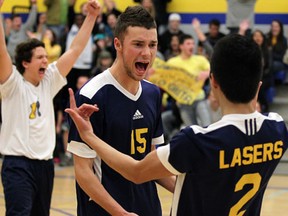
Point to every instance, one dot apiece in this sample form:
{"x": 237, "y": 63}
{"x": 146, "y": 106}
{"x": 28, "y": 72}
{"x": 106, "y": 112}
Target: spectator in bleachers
{"x": 173, "y": 49}
{"x": 149, "y": 6}
{"x": 278, "y": 43}
{"x": 52, "y": 46}
{"x": 104, "y": 62}
{"x": 41, "y": 26}
{"x": 18, "y": 31}
{"x": 161, "y": 15}
{"x": 109, "y": 33}
{"x": 237, "y": 11}
{"x": 207, "y": 48}
{"x": 214, "y": 34}
{"x": 110, "y": 7}
{"x": 198, "y": 66}
{"x": 267, "y": 77}
{"x": 57, "y": 13}
{"x": 164, "y": 39}
{"x": 83, "y": 64}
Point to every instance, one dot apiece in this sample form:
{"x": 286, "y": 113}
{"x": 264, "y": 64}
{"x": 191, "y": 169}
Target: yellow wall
{"x": 220, "y": 6}
{"x": 181, "y": 6}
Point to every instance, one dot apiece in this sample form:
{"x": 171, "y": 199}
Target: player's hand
{"x": 81, "y": 115}
{"x": 93, "y": 7}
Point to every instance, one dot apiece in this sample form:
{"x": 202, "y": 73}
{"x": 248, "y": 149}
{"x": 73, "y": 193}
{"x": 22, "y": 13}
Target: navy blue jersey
{"x": 129, "y": 123}
{"x": 224, "y": 169}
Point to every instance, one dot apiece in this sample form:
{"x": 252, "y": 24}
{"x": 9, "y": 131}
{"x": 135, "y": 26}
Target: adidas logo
{"x": 137, "y": 115}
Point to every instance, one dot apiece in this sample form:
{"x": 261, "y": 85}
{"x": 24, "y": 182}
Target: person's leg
{"x": 168, "y": 120}
{"x": 19, "y": 186}
{"x": 44, "y": 173}
{"x": 203, "y": 113}
{"x": 188, "y": 114}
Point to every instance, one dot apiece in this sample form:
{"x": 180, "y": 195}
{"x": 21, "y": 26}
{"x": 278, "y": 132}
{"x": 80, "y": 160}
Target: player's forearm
{"x": 5, "y": 60}
{"x": 95, "y": 190}
{"x": 2, "y": 36}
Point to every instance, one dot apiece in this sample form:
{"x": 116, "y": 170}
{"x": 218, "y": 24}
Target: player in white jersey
{"x": 222, "y": 169}
{"x": 27, "y": 138}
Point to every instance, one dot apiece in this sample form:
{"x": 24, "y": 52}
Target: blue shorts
{"x": 27, "y": 185}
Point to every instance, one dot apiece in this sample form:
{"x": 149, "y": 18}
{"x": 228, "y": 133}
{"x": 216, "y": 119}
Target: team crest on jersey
{"x": 137, "y": 115}
{"x": 35, "y": 110}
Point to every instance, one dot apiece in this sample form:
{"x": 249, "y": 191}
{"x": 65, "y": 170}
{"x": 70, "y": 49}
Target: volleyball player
{"x": 27, "y": 138}
{"x": 129, "y": 120}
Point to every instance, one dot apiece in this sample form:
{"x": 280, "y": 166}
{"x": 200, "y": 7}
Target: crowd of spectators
{"x": 59, "y": 25}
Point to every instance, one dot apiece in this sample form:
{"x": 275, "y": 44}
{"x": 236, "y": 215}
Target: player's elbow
{"x": 137, "y": 176}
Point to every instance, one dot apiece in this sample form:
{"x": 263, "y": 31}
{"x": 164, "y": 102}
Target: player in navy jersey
{"x": 222, "y": 169}
{"x": 129, "y": 120}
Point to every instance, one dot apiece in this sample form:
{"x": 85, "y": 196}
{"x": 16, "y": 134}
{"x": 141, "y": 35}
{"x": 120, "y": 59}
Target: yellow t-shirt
{"x": 194, "y": 65}
{"x": 53, "y": 52}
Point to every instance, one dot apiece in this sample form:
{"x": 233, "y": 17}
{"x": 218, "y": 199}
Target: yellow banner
{"x": 180, "y": 84}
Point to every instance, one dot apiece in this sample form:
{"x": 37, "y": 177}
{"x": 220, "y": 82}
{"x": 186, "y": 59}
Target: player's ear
{"x": 256, "y": 95}
{"x": 117, "y": 44}
{"x": 213, "y": 82}
{"x": 25, "y": 64}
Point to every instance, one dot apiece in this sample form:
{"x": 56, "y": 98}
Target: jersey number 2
{"x": 255, "y": 180}
{"x": 140, "y": 146}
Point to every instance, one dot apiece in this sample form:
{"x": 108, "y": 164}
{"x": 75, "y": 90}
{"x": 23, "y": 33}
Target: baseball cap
{"x": 174, "y": 16}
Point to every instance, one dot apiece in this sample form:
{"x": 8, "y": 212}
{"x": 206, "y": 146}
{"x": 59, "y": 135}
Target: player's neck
{"x": 240, "y": 108}
{"x": 124, "y": 80}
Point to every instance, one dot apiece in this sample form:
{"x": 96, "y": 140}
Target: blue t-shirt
{"x": 131, "y": 124}
{"x": 224, "y": 169}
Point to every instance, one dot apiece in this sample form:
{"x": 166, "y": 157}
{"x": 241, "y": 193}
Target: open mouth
{"x": 42, "y": 70}
{"x": 140, "y": 66}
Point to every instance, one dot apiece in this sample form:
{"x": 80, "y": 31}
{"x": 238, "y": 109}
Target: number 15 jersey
{"x": 224, "y": 169}
{"x": 129, "y": 123}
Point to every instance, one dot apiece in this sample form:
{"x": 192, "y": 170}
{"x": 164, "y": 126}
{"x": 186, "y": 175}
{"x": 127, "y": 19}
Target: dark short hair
{"x": 14, "y": 15}
{"x": 215, "y": 22}
{"x": 236, "y": 65}
{"x": 184, "y": 37}
{"x": 136, "y": 16}
{"x": 24, "y": 52}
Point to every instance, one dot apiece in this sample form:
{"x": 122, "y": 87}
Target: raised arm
{"x": 5, "y": 60}
{"x": 151, "y": 167}
{"x": 201, "y": 36}
{"x": 67, "y": 60}
{"x": 32, "y": 18}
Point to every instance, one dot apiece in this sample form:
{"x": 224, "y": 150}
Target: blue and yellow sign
{"x": 180, "y": 84}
